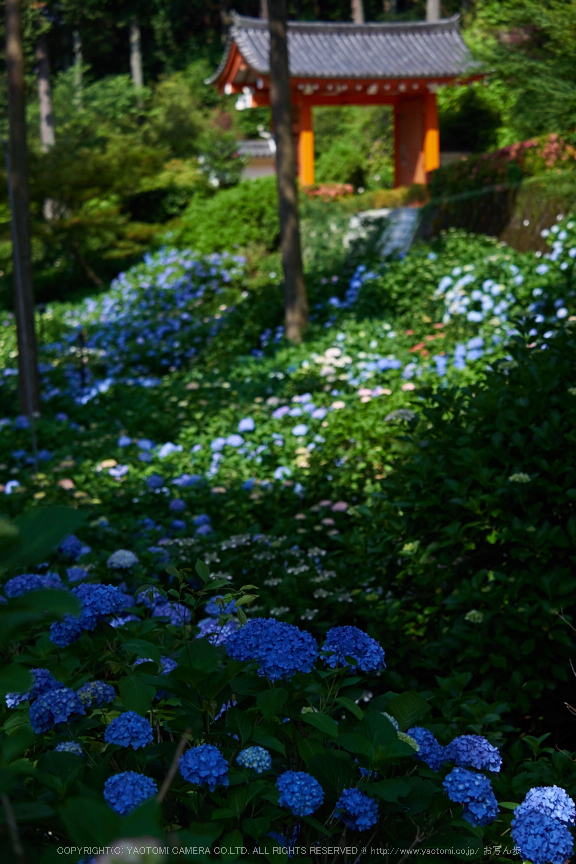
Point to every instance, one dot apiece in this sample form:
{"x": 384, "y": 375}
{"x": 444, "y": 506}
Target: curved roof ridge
{"x": 246, "y": 22}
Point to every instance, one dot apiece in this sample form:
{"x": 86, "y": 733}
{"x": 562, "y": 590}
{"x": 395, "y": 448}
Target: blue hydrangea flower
{"x": 482, "y": 811}
{"x": 72, "y": 547}
{"x": 204, "y": 765}
{"x": 97, "y": 601}
{"x": 552, "y": 800}
{"x": 129, "y": 730}
{"x": 177, "y": 505}
{"x": 300, "y": 792}
{"x": 348, "y": 641}
{"x": 76, "y": 574}
{"x": 215, "y": 634}
{"x": 246, "y": 425}
{"x": 213, "y": 609}
{"x": 57, "y": 705}
{"x": 96, "y": 693}
{"x": 177, "y": 613}
{"x": 541, "y": 838}
{"x": 255, "y": 757}
{"x": 358, "y": 811}
{"x": 155, "y": 481}
{"x": 20, "y": 585}
{"x": 43, "y": 681}
{"x": 465, "y": 786}
{"x": 126, "y": 791}
{"x": 281, "y": 649}
{"x": 69, "y": 747}
{"x": 431, "y": 752}
{"x": 475, "y": 751}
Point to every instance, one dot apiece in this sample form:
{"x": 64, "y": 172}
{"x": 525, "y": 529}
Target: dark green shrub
{"x": 477, "y": 529}
{"x": 232, "y": 219}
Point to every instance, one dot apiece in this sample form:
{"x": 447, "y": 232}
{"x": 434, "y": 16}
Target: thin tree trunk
{"x": 296, "y": 301}
{"x": 390, "y": 7}
{"x": 357, "y": 11}
{"x": 75, "y": 246}
{"x": 78, "y": 62}
{"x": 17, "y": 171}
{"x": 432, "y": 10}
{"x": 136, "y": 55}
{"x": 263, "y": 8}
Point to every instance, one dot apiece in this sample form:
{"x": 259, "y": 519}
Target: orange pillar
{"x": 306, "y": 146}
{"x": 409, "y": 138}
{"x": 431, "y": 134}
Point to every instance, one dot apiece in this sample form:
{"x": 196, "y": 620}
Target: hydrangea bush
{"x": 154, "y": 703}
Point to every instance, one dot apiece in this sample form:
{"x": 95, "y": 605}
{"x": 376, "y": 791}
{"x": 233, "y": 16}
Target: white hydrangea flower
{"x": 122, "y": 559}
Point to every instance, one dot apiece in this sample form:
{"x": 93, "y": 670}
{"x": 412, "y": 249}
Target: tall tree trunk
{"x": 136, "y": 54}
{"x": 78, "y": 62}
{"x": 263, "y": 8}
{"x": 17, "y": 171}
{"x": 296, "y": 301}
{"x": 432, "y": 10}
{"x": 357, "y": 11}
{"x": 390, "y": 7}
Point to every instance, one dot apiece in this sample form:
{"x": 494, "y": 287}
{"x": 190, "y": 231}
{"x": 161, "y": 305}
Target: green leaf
{"x": 242, "y": 616}
{"x": 270, "y": 701}
{"x": 202, "y": 570}
{"x": 247, "y": 598}
{"x": 308, "y": 747}
{"x": 509, "y": 805}
{"x": 15, "y": 678}
{"x": 334, "y": 771}
{"x": 201, "y": 655}
{"x": 377, "y": 729}
{"x": 172, "y": 571}
{"x": 17, "y": 743}
{"x": 136, "y": 696}
{"x": 40, "y": 531}
{"x": 356, "y": 744}
{"x": 231, "y": 846}
{"x": 270, "y": 742}
{"x": 28, "y": 812}
{"x": 407, "y": 708}
{"x": 351, "y": 706}
{"x": 144, "y": 649}
{"x": 90, "y": 821}
{"x": 144, "y": 821}
{"x": 388, "y": 790}
{"x": 420, "y": 795}
{"x": 238, "y": 724}
{"x": 322, "y": 722}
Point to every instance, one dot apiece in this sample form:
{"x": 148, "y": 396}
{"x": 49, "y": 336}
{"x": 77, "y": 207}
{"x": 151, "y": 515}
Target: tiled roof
{"x": 339, "y": 50}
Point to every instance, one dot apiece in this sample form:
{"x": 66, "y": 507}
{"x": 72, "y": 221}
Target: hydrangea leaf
{"x": 40, "y": 531}
{"x": 15, "y": 678}
{"x": 388, "y": 790}
{"x": 270, "y": 701}
{"x": 238, "y": 724}
{"x": 351, "y": 706}
{"x": 322, "y": 722}
{"x": 145, "y": 649}
{"x": 136, "y": 696}
{"x": 408, "y": 708}
{"x": 334, "y": 771}
{"x": 89, "y": 821}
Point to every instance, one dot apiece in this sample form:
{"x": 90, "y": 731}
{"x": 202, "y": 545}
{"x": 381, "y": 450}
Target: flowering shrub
{"x": 349, "y": 530}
